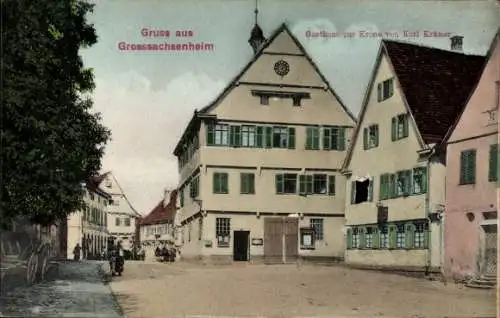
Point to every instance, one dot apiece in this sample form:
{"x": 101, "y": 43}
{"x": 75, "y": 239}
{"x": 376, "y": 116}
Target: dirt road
{"x": 183, "y": 290}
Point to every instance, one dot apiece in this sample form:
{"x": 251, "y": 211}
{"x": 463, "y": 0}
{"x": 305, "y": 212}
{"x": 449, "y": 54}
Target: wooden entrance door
{"x": 490, "y": 250}
{"x": 281, "y": 237}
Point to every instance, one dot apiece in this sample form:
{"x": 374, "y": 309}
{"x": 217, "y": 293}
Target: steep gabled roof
{"x": 494, "y": 43}
{"x": 233, "y": 83}
{"x": 162, "y": 213}
{"x": 109, "y": 174}
{"x": 93, "y": 184}
{"x": 434, "y": 84}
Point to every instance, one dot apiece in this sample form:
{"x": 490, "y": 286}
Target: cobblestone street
{"x": 184, "y": 290}
{"x": 76, "y": 290}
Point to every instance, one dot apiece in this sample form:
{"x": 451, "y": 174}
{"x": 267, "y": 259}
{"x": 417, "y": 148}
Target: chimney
{"x": 456, "y": 43}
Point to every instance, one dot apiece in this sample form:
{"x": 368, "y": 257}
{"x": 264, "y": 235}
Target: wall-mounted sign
{"x": 306, "y": 238}
{"x": 257, "y": 241}
{"x": 208, "y": 243}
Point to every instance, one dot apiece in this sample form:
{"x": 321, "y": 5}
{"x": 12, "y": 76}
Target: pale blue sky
{"x": 147, "y": 98}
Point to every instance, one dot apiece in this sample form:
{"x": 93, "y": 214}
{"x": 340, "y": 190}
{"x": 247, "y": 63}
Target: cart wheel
{"x": 32, "y": 268}
{"x": 44, "y": 261}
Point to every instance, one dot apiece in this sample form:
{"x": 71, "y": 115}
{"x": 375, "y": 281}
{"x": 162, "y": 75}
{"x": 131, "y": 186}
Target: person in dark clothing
{"x": 157, "y": 251}
{"x": 76, "y": 252}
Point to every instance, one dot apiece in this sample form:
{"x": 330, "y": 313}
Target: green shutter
{"x": 353, "y": 192}
{"x": 379, "y": 92}
{"x": 269, "y": 137}
{"x": 309, "y": 184}
{"x": 392, "y": 186}
{"x": 392, "y": 236}
{"x": 365, "y": 138}
{"x": 308, "y": 138}
{"x": 210, "y": 134}
{"x": 327, "y": 135}
{"x": 251, "y": 183}
{"x": 370, "y": 189}
{"x": 362, "y": 237}
{"x": 237, "y": 136}
{"x": 391, "y": 87}
{"x": 375, "y": 237}
{"x": 302, "y": 184}
{"x": 394, "y": 128}
{"x": 406, "y": 129}
{"x": 382, "y": 187}
{"x": 231, "y": 136}
{"x": 472, "y": 167}
{"x": 224, "y": 183}
{"x": 331, "y": 185}
{"x": 376, "y": 135}
{"x": 315, "y": 138}
{"x": 291, "y": 138}
{"x": 406, "y": 175}
{"x": 279, "y": 183}
{"x": 215, "y": 182}
{"x": 243, "y": 183}
{"x": 260, "y": 136}
{"x": 493, "y": 169}
{"x": 409, "y": 235}
{"x": 341, "y": 139}
{"x": 349, "y": 238}
{"x": 424, "y": 179}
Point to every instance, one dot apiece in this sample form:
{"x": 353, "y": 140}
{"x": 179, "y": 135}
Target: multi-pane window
{"x": 385, "y": 89}
{"x": 117, "y": 221}
{"x": 320, "y": 184}
{"x": 399, "y": 127}
{"x": 370, "y": 137}
{"x": 369, "y": 237}
{"x": 468, "y": 167}
{"x": 403, "y": 183}
{"x": 305, "y": 184}
{"x": 280, "y": 137}
{"x": 331, "y": 185}
{"x": 334, "y": 138}
{"x": 220, "y": 182}
{"x": 247, "y": 183}
{"x": 286, "y": 183}
{"x": 493, "y": 168}
{"x": 223, "y": 231}
{"x": 317, "y": 225}
{"x": 312, "y": 138}
{"x": 264, "y": 100}
{"x": 218, "y": 135}
{"x": 384, "y": 237}
{"x": 355, "y": 238}
{"x": 248, "y": 136}
{"x": 419, "y": 180}
{"x": 126, "y": 221}
{"x": 194, "y": 187}
{"x": 400, "y": 236}
{"x": 419, "y": 235}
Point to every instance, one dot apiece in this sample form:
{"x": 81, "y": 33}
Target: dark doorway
{"x": 241, "y": 245}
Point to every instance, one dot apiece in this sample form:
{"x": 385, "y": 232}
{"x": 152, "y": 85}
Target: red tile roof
{"x": 436, "y": 84}
{"x": 162, "y": 213}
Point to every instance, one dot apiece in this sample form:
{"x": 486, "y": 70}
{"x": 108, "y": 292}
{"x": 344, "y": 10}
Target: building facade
{"x": 157, "y": 229}
{"x": 396, "y": 178}
{"x": 121, "y": 214}
{"x": 88, "y": 227}
{"x": 472, "y": 179}
{"x": 260, "y": 166}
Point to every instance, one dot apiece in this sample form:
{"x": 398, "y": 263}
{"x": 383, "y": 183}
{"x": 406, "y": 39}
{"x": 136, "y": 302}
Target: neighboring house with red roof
{"x": 396, "y": 179}
{"x": 121, "y": 214}
{"x": 158, "y": 227}
{"x": 471, "y": 218}
{"x": 88, "y": 227}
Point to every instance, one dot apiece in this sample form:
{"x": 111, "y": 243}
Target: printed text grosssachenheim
{"x": 184, "y": 46}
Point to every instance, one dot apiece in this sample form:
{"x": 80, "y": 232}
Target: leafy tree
{"x": 51, "y": 142}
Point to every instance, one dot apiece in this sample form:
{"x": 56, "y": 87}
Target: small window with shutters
{"x": 385, "y": 90}
{"x": 493, "y": 164}
{"x": 370, "y": 137}
{"x": 312, "y": 138}
{"x": 399, "y": 127}
{"x": 468, "y": 167}
{"x": 334, "y": 138}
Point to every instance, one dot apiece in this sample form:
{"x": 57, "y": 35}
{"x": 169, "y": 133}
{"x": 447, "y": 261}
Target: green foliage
{"x": 51, "y": 141}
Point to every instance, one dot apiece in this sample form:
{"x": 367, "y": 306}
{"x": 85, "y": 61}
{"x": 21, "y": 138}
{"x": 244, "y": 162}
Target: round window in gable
{"x": 282, "y": 68}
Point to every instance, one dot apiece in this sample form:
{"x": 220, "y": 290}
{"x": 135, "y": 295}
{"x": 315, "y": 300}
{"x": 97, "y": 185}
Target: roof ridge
{"x": 406, "y": 42}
